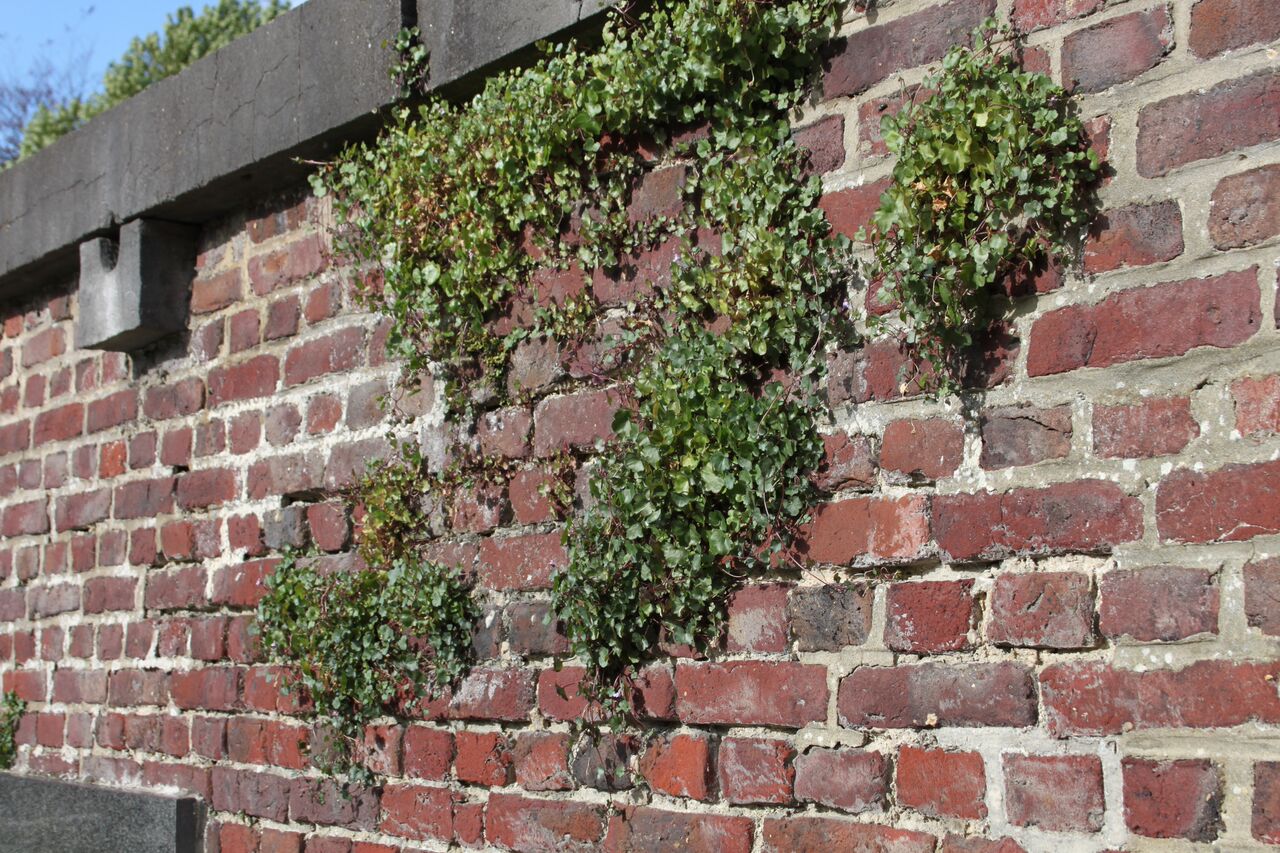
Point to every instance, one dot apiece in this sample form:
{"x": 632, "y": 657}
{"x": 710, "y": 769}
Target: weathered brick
{"x": 324, "y": 801}
{"x": 1232, "y": 115}
{"x": 1173, "y": 799}
{"x": 82, "y": 511}
{"x": 1049, "y": 610}
{"x": 823, "y": 144}
{"x": 577, "y": 421}
{"x": 1266, "y": 801}
{"x": 1257, "y": 403}
{"x": 851, "y": 780}
{"x": 939, "y": 783}
{"x": 830, "y": 617}
{"x": 247, "y": 380}
{"x": 930, "y": 616}
{"x": 1117, "y": 50}
{"x": 112, "y": 411}
{"x": 1141, "y": 430}
{"x": 535, "y": 631}
{"x": 45, "y": 601}
{"x": 1092, "y": 698}
{"x": 524, "y": 823}
{"x": 106, "y": 594}
{"x": 926, "y": 695}
{"x": 209, "y": 689}
{"x": 42, "y": 346}
{"x": 1088, "y": 515}
{"x": 922, "y": 449}
{"x": 806, "y": 832}
{"x": 482, "y": 758}
{"x": 756, "y": 771}
{"x": 847, "y": 462}
{"x": 297, "y": 260}
{"x": 680, "y": 765}
{"x": 215, "y": 293}
{"x": 1151, "y": 322}
{"x": 419, "y": 812}
{"x": 1261, "y": 594}
{"x": 1158, "y": 603}
{"x": 333, "y": 353}
{"x": 1031, "y": 15}
{"x": 542, "y": 761}
{"x": 1245, "y": 208}
{"x": 60, "y": 424}
{"x": 859, "y": 529}
{"x": 784, "y": 694}
{"x": 758, "y": 619}
{"x": 1218, "y": 26}
{"x": 505, "y": 695}
{"x": 1024, "y": 435}
{"x": 206, "y": 488}
{"x": 177, "y": 589}
{"x": 1059, "y": 793}
{"x": 521, "y": 562}
{"x": 1232, "y": 504}
{"x": 1134, "y": 236}
{"x": 864, "y": 59}
{"x": 605, "y": 763}
{"x": 850, "y": 210}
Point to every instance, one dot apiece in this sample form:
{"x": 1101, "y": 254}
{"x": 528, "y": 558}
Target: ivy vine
{"x": 993, "y": 180}
{"x": 11, "y": 711}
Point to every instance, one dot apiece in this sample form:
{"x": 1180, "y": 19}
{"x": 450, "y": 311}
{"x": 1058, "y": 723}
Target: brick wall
{"x": 1064, "y": 632}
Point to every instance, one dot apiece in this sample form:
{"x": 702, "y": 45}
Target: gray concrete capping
{"x": 48, "y": 816}
{"x": 136, "y": 290}
{"x": 227, "y": 130}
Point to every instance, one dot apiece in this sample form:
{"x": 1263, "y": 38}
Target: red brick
{"x": 679, "y": 766}
{"x": 207, "y": 488}
{"x": 242, "y": 585}
{"x": 1234, "y": 114}
{"x": 300, "y": 259}
{"x": 418, "y": 812}
{"x": 1117, "y": 50}
{"x": 1266, "y": 801}
{"x": 61, "y": 424}
{"x": 785, "y": 694}
{"x": 523, "y": 823}
{"x": 31, "y": 518}
{"x": 131, "y": 687}
{"x": 534, "y": 631}
{"x": 1031, "y": 15}
{"x": 1088, "y": 515}
{"x": 45, "y": 601}
{"x": 823, "y": 144}
{"x": 792, "y": 834}
{"x": 1218, "y": 26}
{"x": 1172, "y": 799}
{"x": 14, "y": 438}
{"x": 850, "y": 210}
{"x": 323, "y": 413}
{"x": 209, "y": 689}
{"x": 1261, "y": 593}
{"x": 505, "y": 433}
{"x": 1257, "y": 403}
{"x": 325, "y": 801}
{"x": 528, "y": 503}
{"x": 1152, "y": 322}
{"x": 851, "y": 780}
{"x": 930, "y": 616}
{"x": 875, "y": 53}
{"x": 658, "y": 193}
{"x": 521, "y": 562}
{"x": 1091, "y": 698}
{"x": 860, "y": 528}
{"x": 1134, "y": 236}
{"x": 1158, "y": 603}
{"x": 43, "y": 346}
{"x": 642, "y": 829}
{"x": 942, "y": 784}
{"x": 871, "y": 114}
{"x": 927, "y": 695}
{"x": 922, "y": 449}
{"x": 247, "y": 380}
{"x": 1232, "y": 504}
{"x": 505, "y": 695}
{"x": 542, "y": 761}
{"x": 245, "y": 331}
{"x": 756, "y": 771}
{"x": 1245, "y": 208}
{"x": 119, "y": 408}
{"x": 847, "y": 462}
{"x": 577, "y": 421}
{"x": 1055, "y": 793}
{"x": 330, "y": 525}
{"x": 80, "y": 512}
{"x": 216, "y": 293}
{"x": 177, "y": 589}
{"x": 483, "y": 758}
{"x": 106, "y": 594}
{"x": 758, "y": 620}
{"x": 334, "y": 353}
{"x": 1156, "y": 427}
{"x": 1046, "y": 610}
{"x": 144, "y": 498}
{"x": 1024, "y": 435}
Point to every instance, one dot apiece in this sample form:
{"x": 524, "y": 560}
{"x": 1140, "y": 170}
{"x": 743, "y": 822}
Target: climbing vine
{"x": 365, "y": 643}
{"x": 11, "y": 711}
{"x": 518, "y": 219}
{"x": 992, "y": 180}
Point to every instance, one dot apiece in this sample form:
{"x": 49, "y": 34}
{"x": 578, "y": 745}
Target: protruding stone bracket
{"x": 135, "y": 291}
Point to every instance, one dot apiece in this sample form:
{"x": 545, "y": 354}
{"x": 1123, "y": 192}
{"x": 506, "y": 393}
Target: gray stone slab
{"x": 49, "y": 816}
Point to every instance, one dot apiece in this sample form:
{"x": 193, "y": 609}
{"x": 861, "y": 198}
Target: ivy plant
{"x": 993, "y": 179}
{"x": 365, "y": 643}
{"x": 11, "y": 711}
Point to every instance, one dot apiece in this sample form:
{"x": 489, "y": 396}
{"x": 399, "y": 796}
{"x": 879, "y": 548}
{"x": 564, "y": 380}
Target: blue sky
{"x": 85, "y": 33}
